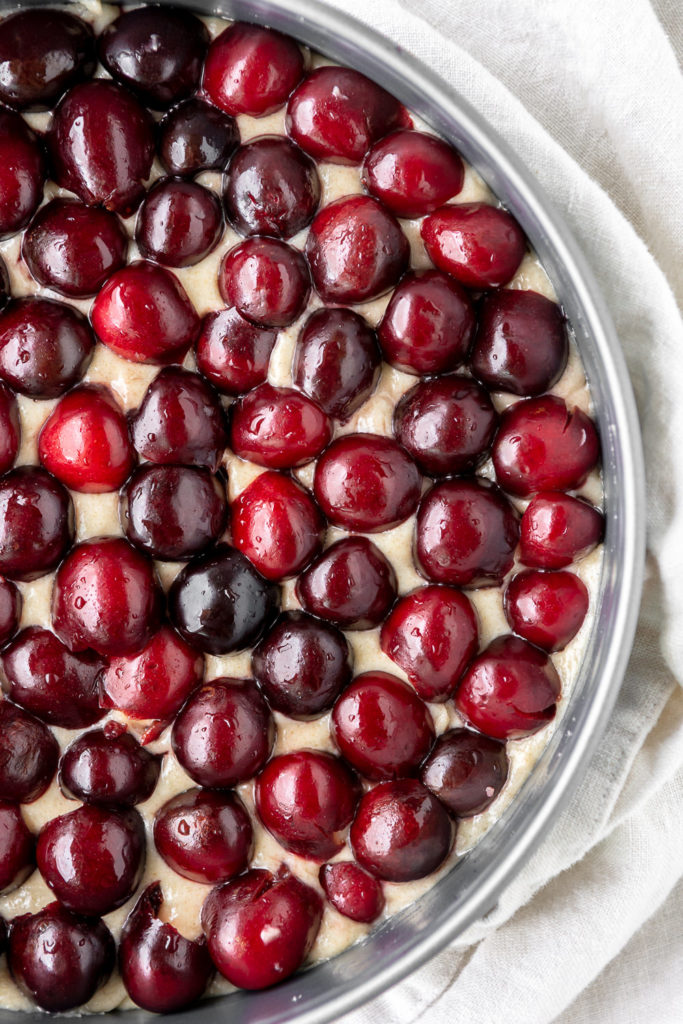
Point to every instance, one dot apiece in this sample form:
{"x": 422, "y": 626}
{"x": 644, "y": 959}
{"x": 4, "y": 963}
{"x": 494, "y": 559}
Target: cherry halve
{"x": 108, "y": 767}
{"x": 196, "y": 136}
{"x": 36, "y": 523}
{"x": 251, "y": 70}
{"x": 232, "y": 353}
{"x": 28, "y": 756}
{"x": 557, "y": 530}
{"x": 204, "y": 835}
{"x": 45, "y": 346}
{"x": 480, "y": 245}
{"x": 466, "y": 771}
{"x": 178, "y": 223}
{"x": 10, "y": 428}
{"x": 351, "y": 584}
{"x": 352, "y": 891}
{"x": 546, "y": 608}
{"x": 17, "y": 847}
{"x": 10, "y": 610}
{"x": 413, "y": 173}
{"x": 266, "y": 279}
{"x": 278, "y": 427}
{"x": 22, "y": 172}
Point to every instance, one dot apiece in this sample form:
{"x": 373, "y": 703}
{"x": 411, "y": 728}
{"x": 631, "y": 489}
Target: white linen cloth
{"x": 589, "y": 94}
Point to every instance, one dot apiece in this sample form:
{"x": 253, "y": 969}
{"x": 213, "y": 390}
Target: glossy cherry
{"x": 196, "y": 136}
{"x": 45, "y": 346}
{"x": 28, "y": 757}
{"x": 266, "y": 280}
{"x": 278, "y": 427}
{"x": 108, "y": 767}
{"x": 251, "y": 70}
{"x": 413, "y": 173}
{"x": 466, "y": 771}
{"x": 204, "y": 835}
{"x": 546, "y": 608}
{"x": 478, "y": 244}
{"x": 557, "y": 530}
{"x": 351, "y": 584}
{"x": 352, "y": 891}
{"x": 178, "y": 223}
{"x": 10, "y": 428}
{"x": 233, "y": 353}
{"x": 36, "y": 523}
{"x": 10, "y": 610}
{"x": 22, "y": 172}
{"x": 17, "y": 848}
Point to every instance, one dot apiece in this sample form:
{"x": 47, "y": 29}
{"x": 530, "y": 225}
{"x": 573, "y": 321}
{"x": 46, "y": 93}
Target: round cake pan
{"x": 472, "y": 887}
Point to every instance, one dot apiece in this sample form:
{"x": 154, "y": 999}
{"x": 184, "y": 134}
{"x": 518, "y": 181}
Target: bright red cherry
{"x": 17, "y": 848}
{"x": 233, "y": 353}
{"x": 546, "y": 608}
{"x": 466, "y": 771}
{"x": 10, "y": 610}
{"x": 251, "y": 70}
{"x": 22, "y": 172}
{"x": 10, "y": 428}
{"x": 45, "y": 346}
{"x": 178, "y": 223}
{"x": 204, "y": 835}
{"x": 196, "y": 136}
{"x": 28, "y": 757}
{"x": 266, "y": 280}
{"x": 36, "y": 523}
{"x": 108, "y": 767}
{"x": 278, "y": 427}
{"x": 351, "y": 584}
{"x": 352, "y": 891}
{"x": 480, "y": 245}
{"x": 557, "y": 530}
{"x": 413, "y": 173}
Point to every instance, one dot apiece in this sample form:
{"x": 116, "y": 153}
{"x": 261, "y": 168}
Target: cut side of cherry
{"x": 466, "y": 771}
{"x": 352, "y": 891}
{"x": 251, "y": 70}
{"x": 413, "y": 173}
{"x": 204, "y": 835}
{"x": 28, "y": 757}
{"x": 108, "y": 767}
{"x": 45, "y": 346}
{"x": 546, "y": 608}
{"x": 351, "y": 584}
{"x": 557, "y": 530}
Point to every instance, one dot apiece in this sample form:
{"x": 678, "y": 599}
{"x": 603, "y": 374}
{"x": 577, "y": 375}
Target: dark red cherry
{"x": 260, "y": 927}
{"x": 17, "y": 848}
{"x": 157, "y": 51}
{"x": 510, "y": 690}
{"x": 10, "y": 610}
{"x": 337, "y": 113}
{"x": 351, "y": 584}
{"x": 466, "y": 534}
{"x": 546, "y": 608}
{"x": 233, "y": 353}
{"x": 271, "y": 188}
{"x": 366, "y": 482}
{"x": 36, "y": 523}
{"x": 428, "y": 324}
{"x": 84, "y": 442}
{"x": 521, "y": 344}
{"x": 180, "y": 420}
{"x": 143, "y": 314}
{"x": 302, "y": 665}
{"x": 382, "y": 727}
{"x": 401, "y": 831}
{"x": 10, "y": 428}
{"x": 42, "y": 53}
{"x": 220, "y": 603}
{"x": 356, "y": 250}
{"x": 161, "y": 970}
{"x": 101, "y": 145}
{"x": 92, "y": 858}
{"x": 59, "y": 959}
{"x": 446, "y": 424}
{"x": 307, "y": 799}
{"x": 224, "y": 734}
{"x": 466, "y": 771}
{"x": 432, "y": 634}
{"x": 45, "y": 346}
{"x": 196, "y": 136}
{"x": 267, "y": 280}
{"x": 108, "y": 767}
{"x": 45, "y": 678}
{"x": 276, "y": 523}
{"x": 337, "y": 361}
{"x": 543, "y": 446}
{"x": 204, "y": 835}
{"x": 74, "y": 248}
{"x": 106, "y": 596}
{"x": 22, "y": 171}
{"x": 178, "y": 223}
{"x": 28, "y": 756}
{"x": 557, "y": 530}
{"x": 352, "y": 891}
{"x": 480, "y": 245}
{"x": 413, "y": 173}
{"x": 278, "y": 427}
{"x": 173, "y": 512}
{"x": 251, "y": 70}
{"x": 155, "y": 682}
{"x": 5, "y": 290}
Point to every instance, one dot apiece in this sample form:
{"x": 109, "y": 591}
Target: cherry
{"x": 10, "y": 428}
{"x": 28, "y": 757}
{"x": 277, "y": 525}
{"x": 271, "y": 188}
{"x": 74, "y": 248}
{"x": 36, "y": 523}
{"x": 510, "y": 690}
{"x": 179, "y": 222}
{"x": 50, "y": 682}
{"x": 351, "y": 584}
{"x": 251, "y": 70}
{"x": 432, "y": 634}
{"x": 480, "y": 245}
{"x": 10, "y": 610}
{"x": 195, "y": 136}
{"x": 92, "y": 858}
{"x": 521, "y": 345}
{"x": 17, "y": 848}
{"x": 352, "y": 891}
{"x": 106, "y": 596}
{"x": 543, "y": 446}
{"x": 157, "y": 52}
{"x": 204, "y": 836}
{"x": 302, "y": 665}
{"x": 557, "y": 530}
{"x": 356, "y": 250}
{"x": 278, "y": 427}
{"x": 224, "y": 734}
{"x": 220, "y": 603}
{"x": 42, "y": 53}
{"x": 413, "y": 173}
{"x": 161, "y": 970}
{"x": 382, "y": 727}
{"x": 446, "y": 424}
{"x": 466, "y": 771}
{"x": 101, "y": 145}
{"x": 5, "y": 293}
{"x": 143, "y": 314}
{"x": 428, "y": 324}
{"x": 59, "y": 959}
{"x": 173, "y": 512}
{"x": 22, "y": 172}
{"x": 267, "y": 280}
{"x": 84, "y": 442}
{"x": 337, "y": 361}
{"x": 45, "y": 346}
{"x": 337, "y": 113}
{"x": 546, "y": 608}
{"x": 108, "y": 767}
{"x": 154, "y": 682}
{"x": 366, "y": 482}
{"x": 466, "y": 534}
{"x": 401, "y": 831}
{"x": 233, "y": 353}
